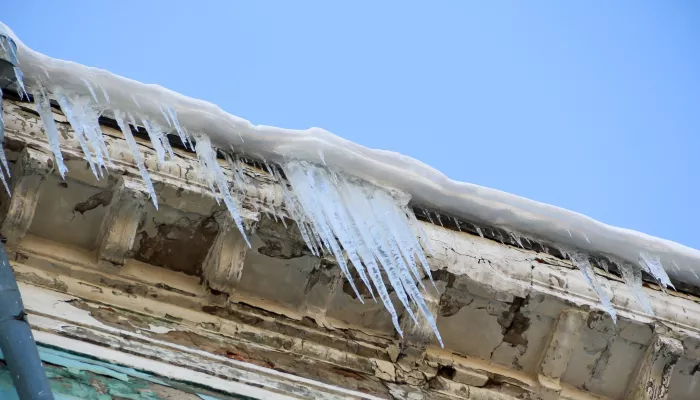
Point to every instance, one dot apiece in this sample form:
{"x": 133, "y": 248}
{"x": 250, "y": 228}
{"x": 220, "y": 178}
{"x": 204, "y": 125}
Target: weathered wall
{"x": 76, "y": 377}
{"x": 100, "y": 265}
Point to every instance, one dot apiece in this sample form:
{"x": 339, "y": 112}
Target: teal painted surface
{"x": 74, "y": 377}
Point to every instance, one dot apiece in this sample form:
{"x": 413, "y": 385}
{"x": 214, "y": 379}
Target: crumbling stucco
{"x": 499, "y": 306}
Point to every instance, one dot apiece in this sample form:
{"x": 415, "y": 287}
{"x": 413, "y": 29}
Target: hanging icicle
{"x": 652, "y": 265}
{"x": 580, "y": 260}
{"x": 159, "y": 140}
{"x": 215, "y": 176}
{"x": 369, "y": 225}
{"x": 83, "y": 115}
{"x": 43, "y": 107}
{"x": 632, "y": 275}
{"x": 134, "y": 147}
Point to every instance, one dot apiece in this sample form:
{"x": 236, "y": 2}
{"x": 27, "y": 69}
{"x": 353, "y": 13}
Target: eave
{"x": 83, "y": 266}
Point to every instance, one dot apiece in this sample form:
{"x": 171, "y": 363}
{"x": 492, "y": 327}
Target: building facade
{"x": 129, "y": 301}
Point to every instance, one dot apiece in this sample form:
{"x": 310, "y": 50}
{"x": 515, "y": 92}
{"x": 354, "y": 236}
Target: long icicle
{"x": 208, "y": 161}
{"x": 136, "y": 153}
{"x": 43, "y": 107}
{"x": 367, "y": 222}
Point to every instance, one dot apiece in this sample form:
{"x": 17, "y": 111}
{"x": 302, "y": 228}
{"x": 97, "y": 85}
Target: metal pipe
{"x": 16, "y": 339}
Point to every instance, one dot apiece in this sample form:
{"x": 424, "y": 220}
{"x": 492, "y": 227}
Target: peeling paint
{"x": 292, "y": 313}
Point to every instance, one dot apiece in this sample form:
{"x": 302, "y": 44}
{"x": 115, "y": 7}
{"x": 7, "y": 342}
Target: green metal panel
{"x": 75, "y": 377}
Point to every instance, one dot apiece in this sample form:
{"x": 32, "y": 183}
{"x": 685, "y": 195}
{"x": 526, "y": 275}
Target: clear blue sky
{"x": 589, "y": 105}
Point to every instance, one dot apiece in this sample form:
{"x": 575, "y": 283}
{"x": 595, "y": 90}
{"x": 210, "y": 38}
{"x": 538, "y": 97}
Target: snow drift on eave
{"x": 633, "y": 251}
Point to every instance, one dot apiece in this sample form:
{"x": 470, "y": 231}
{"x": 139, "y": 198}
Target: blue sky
{"x": 590, "y": 106}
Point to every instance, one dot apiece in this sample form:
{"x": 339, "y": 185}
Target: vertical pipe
{"x": 16, "y": 340}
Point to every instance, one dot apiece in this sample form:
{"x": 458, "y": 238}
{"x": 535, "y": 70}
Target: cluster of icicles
{"x": 335, "y": 213}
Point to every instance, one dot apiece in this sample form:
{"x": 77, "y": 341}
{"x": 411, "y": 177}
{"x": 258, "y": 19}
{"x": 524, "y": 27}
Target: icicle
{"x": 564, "y": 253}
{"x": 188, "y": 137}
{"x": 585, "y": 237}
{"x": 294, "y": 211}
{"x": 158, "y": 140}
{"x": 4, "y": 183}
{"x": 567, "y": 229}
{"x": 439, "y": 220}
{"x": 632, "y": 276}
{"x": 427, "y": 214}
{"x": 368, "y": 223}
{"x": 516, "y": 237}
{"x": 92, "y": 91}
{"x": 208, "y": 175}
{"x": 457, "y": 224}
{"x": 604, "y": 265}
{"x": 234, "y": 170}
{"x": 404, "y": 235}
{"x": 178, "y": 128}
{"x": 580, "y": 260}
{"x": 238, "y": 175}
{"x": 20, "y": 83}
{"x": 132, "y": 121}
{"x": 84, "y": 120}
{"x": 134, "y": 147}
{"x": 418, "y": 230}
{"x": 165, "y": 116}
{"x": 402, "y": 247}
{"x": 43, "y": 107}
{"x": 478, "y": 230}
{"x": 241, "y": 164}
{"x": 3, "y": 157}
{"x": 13, "y": 50}
{"x": 358, "y": 206}
{"x": 77, "y": 128}
{"x": 652, "y": 265}
{"x": 269, "y": 170}
{"x": 378, "y": 240}
{"x": 208, "y": 161}
{"x": 309, "y": 187}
